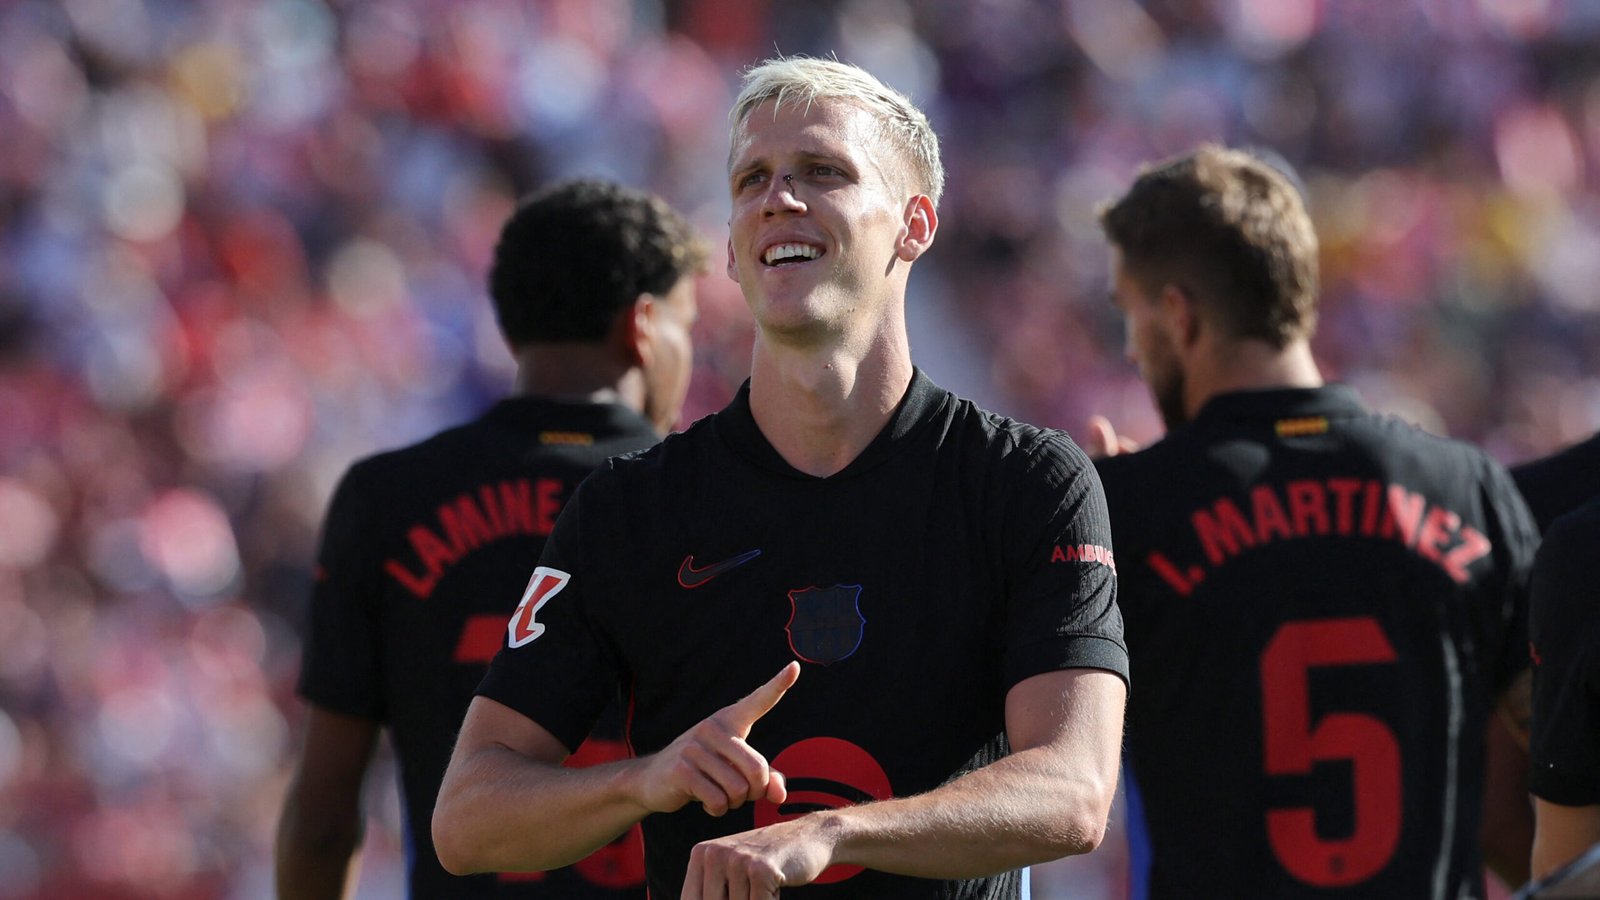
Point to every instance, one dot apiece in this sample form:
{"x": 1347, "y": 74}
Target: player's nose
{"x": 783, "y": 196}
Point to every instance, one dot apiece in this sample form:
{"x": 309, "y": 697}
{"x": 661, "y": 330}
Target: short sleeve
{"x": 340, "y": 668}
{"x": 555, "y": 666}
{"x": 1515, "y": 533}
{"x": 1565, "y": 637}
{"x": 1062, "y": 571}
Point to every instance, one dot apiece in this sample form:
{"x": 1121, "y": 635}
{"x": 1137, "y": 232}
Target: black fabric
{"x": 425, "y": 553}
{"x": 1321, "y": 606}
{"x": 1565, "y": 632}
{"x": 952, "y": 559}
{"x": 1559, "y": 483}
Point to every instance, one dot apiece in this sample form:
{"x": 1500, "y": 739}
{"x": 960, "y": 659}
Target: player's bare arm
{"x": 1515, "y": 709}
{"x": 1507, "y": 831}
{"x": 1562, "y": 834}
{"x": 1050, "y": 798}
{"x": 507, "y": 804}
{"x": 321, "y": 824}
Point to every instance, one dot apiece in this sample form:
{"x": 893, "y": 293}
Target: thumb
{"x": 777, "y": 786}
{"x": 744, "y": 713}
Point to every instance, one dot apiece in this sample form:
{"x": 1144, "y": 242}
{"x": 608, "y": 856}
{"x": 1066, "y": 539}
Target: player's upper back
{"x": 1260, "y": 469}
{"x": 1292, "y": 564}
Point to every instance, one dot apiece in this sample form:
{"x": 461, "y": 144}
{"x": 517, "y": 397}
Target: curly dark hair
{"x": 1232, "y": 229}
{"x": 575, "y": 254}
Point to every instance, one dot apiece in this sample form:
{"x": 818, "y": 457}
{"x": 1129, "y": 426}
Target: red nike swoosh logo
{"x": 691, "y": 577}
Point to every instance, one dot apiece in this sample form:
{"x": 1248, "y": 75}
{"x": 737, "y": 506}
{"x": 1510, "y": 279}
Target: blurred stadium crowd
{"x": 242, "y": 242}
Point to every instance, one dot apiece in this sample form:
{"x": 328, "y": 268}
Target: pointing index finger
{"x": 744, "y": 713}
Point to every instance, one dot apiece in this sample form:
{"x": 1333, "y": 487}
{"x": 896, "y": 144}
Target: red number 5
{"x": 1293, "y": 745}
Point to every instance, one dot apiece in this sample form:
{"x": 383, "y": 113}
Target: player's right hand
{"x": 711, "y": 764}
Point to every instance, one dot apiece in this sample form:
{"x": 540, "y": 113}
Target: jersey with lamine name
{"x": 1564, "y": 631}
{"x": 1322, "y": 605}
{"x": 958, "y": 555}
{"x": 425, "y": 553}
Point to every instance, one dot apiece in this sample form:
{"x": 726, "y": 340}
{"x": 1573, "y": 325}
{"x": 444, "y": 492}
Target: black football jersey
{"x": 1559, "y": 483}
{"x": 1565, "y": 633}
{"x": 1321, "y": 607}
{"x": 958, "y": 555}
{"x": 425, "y": 553}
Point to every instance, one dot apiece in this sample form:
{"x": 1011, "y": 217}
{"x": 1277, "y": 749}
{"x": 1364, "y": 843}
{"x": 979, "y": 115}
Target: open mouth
{"x": 790, "y": 254}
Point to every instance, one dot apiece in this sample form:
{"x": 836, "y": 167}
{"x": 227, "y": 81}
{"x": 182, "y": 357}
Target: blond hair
{"x": 802, "y": 80}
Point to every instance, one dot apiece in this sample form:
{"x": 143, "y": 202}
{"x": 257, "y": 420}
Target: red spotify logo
{"x": 825, "y": 773}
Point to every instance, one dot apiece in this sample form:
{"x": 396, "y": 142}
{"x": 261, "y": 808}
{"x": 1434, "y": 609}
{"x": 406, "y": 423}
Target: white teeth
{"x": 790, "y": 251}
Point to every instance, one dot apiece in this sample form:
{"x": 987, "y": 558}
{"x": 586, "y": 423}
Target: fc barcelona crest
{"x": 825, "y": 624}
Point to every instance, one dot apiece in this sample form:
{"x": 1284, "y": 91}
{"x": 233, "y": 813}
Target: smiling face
{"x": 821, "y": 219}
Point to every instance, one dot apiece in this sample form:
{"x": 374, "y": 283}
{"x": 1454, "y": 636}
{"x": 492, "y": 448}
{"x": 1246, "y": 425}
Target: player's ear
{"x": 733, "y": 270}
{"x": 920, "y": 223}
{"x": 631, "y": 332}
{"x": 1182, "y": 313}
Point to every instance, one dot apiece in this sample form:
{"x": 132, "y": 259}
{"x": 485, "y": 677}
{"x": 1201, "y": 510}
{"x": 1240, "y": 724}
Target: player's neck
{"x": 577, "y": 373}
{"x": 820, "y": 408}
{"x": 1250, "y": 365}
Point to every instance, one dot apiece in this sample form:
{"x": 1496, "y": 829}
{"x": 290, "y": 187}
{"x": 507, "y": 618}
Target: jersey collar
{"x": 599, "y": 419}
{"x": 1279, "y": 403}
{"x": 923, "y": 399}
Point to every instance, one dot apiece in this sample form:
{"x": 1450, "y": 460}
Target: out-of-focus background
{"x": 242, "y": 243}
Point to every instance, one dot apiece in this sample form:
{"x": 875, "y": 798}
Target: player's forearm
{"x": 312, "y": 876}
{"x": 1028, "y": 808}
{"x": 1562, "y": 834}
{"x": 314, "y": 854}
{"x": 1507, "y": 831}
{"x": 499, "y": 811}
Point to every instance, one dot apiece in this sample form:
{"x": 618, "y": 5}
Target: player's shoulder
{"x": 1575, "y": 534}
{"x": 1560, "y": 601}
{"x": 1553, "y": 485}
{"x": 1455, "y": 468}
{"x": 1013, "y": 445}
{"x": 656, "y": 463}
{"x": 1570, "y": 463}
{"x": 1169, "y": 456}
{"x": 452, "y": 443}
{"x": 1399, "y": 434}
{"x": 1357, "y": 438}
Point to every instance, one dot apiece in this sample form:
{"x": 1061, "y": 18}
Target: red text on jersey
{"x": 1329, "y": 507}
{"x": 1084, "y": 553}
{"x": 511, "y": 508}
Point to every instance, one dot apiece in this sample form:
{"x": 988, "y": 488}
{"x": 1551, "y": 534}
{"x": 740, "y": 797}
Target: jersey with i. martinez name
{"x": 424, "y": 555}
{"x": 958, "y": 555}
{"x": 1322, "y": 605}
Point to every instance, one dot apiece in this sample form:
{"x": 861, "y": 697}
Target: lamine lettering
{"x": 514, "y": 507}
{"x": 1338, "y": 507}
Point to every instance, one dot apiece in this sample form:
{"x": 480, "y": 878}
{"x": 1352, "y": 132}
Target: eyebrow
{"x": 759, "y": 162}
{"x": 804, "y": 156}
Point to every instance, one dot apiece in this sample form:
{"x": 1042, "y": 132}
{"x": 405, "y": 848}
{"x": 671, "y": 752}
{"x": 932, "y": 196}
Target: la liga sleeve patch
{"x": 545, "y": 583}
